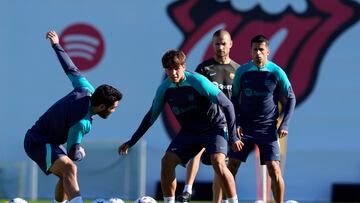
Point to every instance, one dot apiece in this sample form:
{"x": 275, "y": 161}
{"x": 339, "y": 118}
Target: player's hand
{"x": 282, "y": 133}
{"x": 54, "y": 39}
{"x": 239, "y": 132}
{"x": 123, "y": 149}
{"x": 82, "y": 151}
{"x": 237, "y": 145}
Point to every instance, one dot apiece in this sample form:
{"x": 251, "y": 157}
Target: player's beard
{"x": 104, "y": 114}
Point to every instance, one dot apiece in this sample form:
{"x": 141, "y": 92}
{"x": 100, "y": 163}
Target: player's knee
{"x": 69, "y": 169}
{"x": 274, "y": 170}
{"x": 233, "y": 166}
{"x": 218, "y": 165}
{"x": 168, "y": 160}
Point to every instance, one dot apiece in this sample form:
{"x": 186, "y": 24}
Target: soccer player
{"x": 67, "y": 121}
{"x": 220, "y": 70}
{"x": 258, "y": 87}
{"x": 196, "y": 104}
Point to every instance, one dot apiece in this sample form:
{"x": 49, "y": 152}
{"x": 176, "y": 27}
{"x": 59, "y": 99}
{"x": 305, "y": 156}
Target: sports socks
{"x": 188, "y": 188}
{"x": 55, "y": 201}
{"x": 233, "y": 199}
{"x": 77, "y": 199}
{"x": 169, "y": 199}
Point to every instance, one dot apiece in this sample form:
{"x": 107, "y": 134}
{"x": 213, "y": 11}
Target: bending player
{"x": 67, "y": 121}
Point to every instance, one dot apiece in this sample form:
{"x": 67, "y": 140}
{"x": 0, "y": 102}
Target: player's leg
{"x": 233, "y": 165}
{"x": 191, "y": 171}
{"x": 216, "y": 148}
{"x": 270, "y": 155}
{"x": 60, "y": 195}
{"x": 168, "y": 177}
{"x": 277, "y": 180}
{"x": 216, "y": 188}
{"x": 226, "y": 179}
{"x": 181, "y": 149}
{"x": 46, "y": 156}
{"x": 66, "y": 170}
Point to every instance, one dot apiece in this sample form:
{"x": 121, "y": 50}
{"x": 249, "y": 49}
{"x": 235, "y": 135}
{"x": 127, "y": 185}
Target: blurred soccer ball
{"x": 291, "y": 201}
{"x": 145, "y": 199}
{"x": 17, "y": 200}
{"x": 99, "y": 200}
{"x": 259, "y": 201}
{"x": 115, "y": 200}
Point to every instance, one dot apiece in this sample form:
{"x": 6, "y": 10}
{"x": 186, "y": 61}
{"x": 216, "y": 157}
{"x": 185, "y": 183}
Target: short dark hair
{"x": 105, "y": 94}
{"x": 173, "y": 59}
{"x": 260, "y": 39}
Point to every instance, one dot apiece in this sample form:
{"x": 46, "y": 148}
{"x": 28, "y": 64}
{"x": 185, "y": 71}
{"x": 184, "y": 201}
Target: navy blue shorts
{"x": 269, "y": 151}
{"x": 44, "y": 154}
{"x": 188, "y": 144}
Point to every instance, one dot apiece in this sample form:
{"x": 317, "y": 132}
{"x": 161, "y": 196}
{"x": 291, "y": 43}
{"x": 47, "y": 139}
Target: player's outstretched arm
{"x": 73, "y": 73}
{"x": 54, "y": 38}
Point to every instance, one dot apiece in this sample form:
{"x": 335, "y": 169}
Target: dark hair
{"x": 105, "y": 94}
{"x": 173, "y": 59}
{"x": 260, "y": 39}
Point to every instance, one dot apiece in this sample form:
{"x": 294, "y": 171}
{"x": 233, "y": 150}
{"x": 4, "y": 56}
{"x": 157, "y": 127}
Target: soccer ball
{"x": 115, "y": 200}
{"x": 291, "y": 201}
{"x": 99, "y": 200}
{"x": 17, "y": 200}
{"x": 145, "y": 199}
{"x": 259, "y": 201}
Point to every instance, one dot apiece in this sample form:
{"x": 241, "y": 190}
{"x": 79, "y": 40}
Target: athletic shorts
{"x": 44, "y": 154}
{"x": 188, "y": 144}
{"x": 269, "y": 151}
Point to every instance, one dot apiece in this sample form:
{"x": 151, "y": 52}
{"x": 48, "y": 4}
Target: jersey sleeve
{"x": 289, "y": 103}
{"x": 229, "y": 112}
{"x": 151, "y": 115}
{"x": 287, "y": 98}
{"x": 215, "y": 95}
{"x": 236, "y": 89}
{"x": 76, "y": 77}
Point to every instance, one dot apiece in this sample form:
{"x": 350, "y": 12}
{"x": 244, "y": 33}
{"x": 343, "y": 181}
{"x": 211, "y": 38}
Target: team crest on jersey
{"x": 304, "y": 37}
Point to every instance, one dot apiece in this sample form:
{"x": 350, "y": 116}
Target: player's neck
{"x": 223, "y": 60}
{"x": 260, "y": 63}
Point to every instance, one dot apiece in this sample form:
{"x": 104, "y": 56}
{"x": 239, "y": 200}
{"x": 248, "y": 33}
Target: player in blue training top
{"x": 220, "y": 70}
{"x": 258, "y": 87}
{"x": 67, "y": 121}
{"x": 196, "y": 104}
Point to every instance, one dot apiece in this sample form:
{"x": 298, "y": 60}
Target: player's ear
{"x": 102, "y": 107}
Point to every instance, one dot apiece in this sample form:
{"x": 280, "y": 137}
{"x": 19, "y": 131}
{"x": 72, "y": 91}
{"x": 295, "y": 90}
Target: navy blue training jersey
{"x": 69, "y": 119}
{"x": 221, "y": 75}
{"x": 256, "y": 93}
{"x": 195, "y": 102}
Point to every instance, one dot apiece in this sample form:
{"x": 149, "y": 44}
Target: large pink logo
{"x": 305, "y": 38}
{"x": 84, "y": 44}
